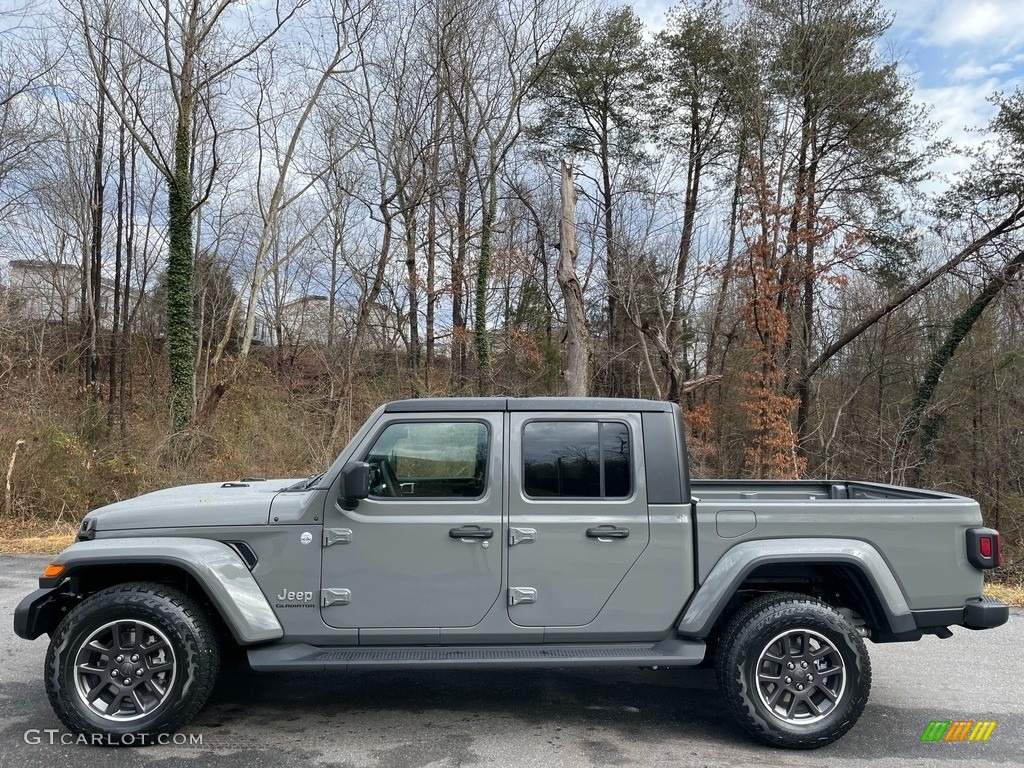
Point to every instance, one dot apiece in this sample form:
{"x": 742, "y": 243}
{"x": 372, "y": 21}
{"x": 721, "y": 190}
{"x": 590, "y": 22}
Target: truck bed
{"x": 907, "y": 526}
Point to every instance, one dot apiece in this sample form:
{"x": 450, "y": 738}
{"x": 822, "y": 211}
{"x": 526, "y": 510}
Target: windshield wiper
{"x": 313, "y": 481}
{"x": 305, "y": 485}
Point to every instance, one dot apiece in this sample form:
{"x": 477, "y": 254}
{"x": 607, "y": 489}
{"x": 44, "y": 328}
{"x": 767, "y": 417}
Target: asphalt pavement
{"x": 563, "y": 718}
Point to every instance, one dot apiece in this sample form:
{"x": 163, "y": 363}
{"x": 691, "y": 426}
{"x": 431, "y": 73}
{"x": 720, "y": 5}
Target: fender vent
{"x": 87, "y": 530}
{"x": 245, "y": 552}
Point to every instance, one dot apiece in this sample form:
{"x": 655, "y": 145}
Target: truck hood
{"x": 205, "y": 504}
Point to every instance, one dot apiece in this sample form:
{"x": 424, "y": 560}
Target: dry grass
{"x": 1008, "y": 593}
{"x": 34, "y": 537}
{"x": 35, "y": 545}
{"x": 1007, "y": 583}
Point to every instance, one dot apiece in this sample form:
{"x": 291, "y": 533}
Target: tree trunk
{"x": 180, "y": 332}
{"x": 730, "y": 255}
{"x": 118, "y": 253}
{"x": 609, "y": 240}
{"x": 332, "y": 298}
{"x": 126, "y": 316}
{"x": 1010, "y": 223}
{"x": 414, "y": 310}
{"x": 434, "y": 190}
{"x": 95, "y": 271}
{"x": 481, "y": 341}
{"x": 458, "y": 275}
{"x": 343, "y": 415}
{"x": 694, "y": 171}
{"x": 577, "y": 338}
{"x": 803, "y": 383}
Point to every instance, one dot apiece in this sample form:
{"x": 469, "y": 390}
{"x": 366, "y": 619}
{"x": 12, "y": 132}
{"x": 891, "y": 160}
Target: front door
{"x": 577, "y": 514}
{"x": 424, "y": 549}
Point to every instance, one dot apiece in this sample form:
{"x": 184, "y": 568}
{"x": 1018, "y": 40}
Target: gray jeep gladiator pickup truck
{"x": 503, "y": 532}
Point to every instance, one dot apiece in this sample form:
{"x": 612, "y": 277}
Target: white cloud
{"x": 913, "y": 16}
{"x": 652, "y": 12}
{"x": 959, "y": 53}
{"x": 971, "y": 71}
{"x": 999, "y": 22}
{"x": 958, "y": 109}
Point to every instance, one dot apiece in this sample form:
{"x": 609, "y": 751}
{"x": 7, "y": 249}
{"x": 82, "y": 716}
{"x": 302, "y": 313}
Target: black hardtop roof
{"x": 440, "y": 404}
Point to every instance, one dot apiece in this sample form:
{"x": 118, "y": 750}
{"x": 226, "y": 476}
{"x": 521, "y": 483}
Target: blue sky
{"x": 960, "y": 53}
{"x": 957, "y": 51}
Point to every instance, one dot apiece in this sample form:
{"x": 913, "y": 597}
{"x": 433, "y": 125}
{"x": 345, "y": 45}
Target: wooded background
{"x": 228, "y": 231}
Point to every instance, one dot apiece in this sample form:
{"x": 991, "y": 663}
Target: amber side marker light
{"x": 53, "y": 570}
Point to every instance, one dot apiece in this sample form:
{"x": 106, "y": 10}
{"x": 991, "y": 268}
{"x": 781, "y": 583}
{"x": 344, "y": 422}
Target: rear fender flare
{"x": 711, "y": 598}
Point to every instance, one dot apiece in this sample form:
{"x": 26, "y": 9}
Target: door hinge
{"x": 519, "y": 535}
{"x": 335, "y": 596}
{"x": 337, "y": 536}
{"x": 520, "y": 595}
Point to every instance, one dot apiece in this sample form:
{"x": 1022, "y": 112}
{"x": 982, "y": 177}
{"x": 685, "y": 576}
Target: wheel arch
{"x": 845, "y": 572}
{"x": 208, "y": 569}
{"x": 843, "y": 585}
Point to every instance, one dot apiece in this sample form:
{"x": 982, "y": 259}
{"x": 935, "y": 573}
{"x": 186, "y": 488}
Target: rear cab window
{"x": 577, "y": 459}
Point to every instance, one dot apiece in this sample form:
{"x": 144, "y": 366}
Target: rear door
{"x": 577, "y": 513}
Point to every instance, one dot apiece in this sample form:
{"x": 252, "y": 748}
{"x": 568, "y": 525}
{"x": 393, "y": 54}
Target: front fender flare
{"x": 739, "y": 562}
{"x": 215, "y": 566}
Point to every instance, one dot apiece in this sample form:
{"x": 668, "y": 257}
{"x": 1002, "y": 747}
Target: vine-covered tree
{"x": 183, "y": 50}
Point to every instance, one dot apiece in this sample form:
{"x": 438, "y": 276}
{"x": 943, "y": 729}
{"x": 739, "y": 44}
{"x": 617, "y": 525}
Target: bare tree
{"x": 192, "y": 54}
{"x": 576, "y": 336}
{"x": 279, "y": 137}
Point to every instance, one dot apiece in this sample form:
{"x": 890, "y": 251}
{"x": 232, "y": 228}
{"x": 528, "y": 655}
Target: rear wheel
{"x": 794, "y": 672}
{"x": 135, "y": 658}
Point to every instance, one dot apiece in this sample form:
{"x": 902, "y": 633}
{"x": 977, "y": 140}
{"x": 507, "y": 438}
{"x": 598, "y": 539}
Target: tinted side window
{"x": 429, "y": 460}
{"x": 576, "y": 459}
{"x": 615, "y": 454}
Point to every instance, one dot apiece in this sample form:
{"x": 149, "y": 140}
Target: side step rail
{"x": 300, "y": 656}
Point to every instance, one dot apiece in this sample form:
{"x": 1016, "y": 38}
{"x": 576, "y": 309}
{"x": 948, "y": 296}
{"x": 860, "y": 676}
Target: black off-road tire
{"x": 145, "y": 625}
{"x": 762, "y": 640}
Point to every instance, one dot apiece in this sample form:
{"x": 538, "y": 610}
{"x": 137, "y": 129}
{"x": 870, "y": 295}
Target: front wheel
{"x": 794, "y": 672}
{"x": 134, "y": 659}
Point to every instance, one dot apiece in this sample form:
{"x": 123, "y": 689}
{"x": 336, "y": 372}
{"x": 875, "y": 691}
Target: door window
{"x": 429, "y": 460}
{"x": 576, "y": 459}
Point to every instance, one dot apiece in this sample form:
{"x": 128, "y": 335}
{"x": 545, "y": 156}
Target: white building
{"x": 306, "y": 321}
{"x": 50, "y": 292}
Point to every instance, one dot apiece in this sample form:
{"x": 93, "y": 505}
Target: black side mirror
{"x": 355, "y": 483}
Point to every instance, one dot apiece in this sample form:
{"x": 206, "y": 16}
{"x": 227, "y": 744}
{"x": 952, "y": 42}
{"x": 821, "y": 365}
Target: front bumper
{"x": 41, "y": 611}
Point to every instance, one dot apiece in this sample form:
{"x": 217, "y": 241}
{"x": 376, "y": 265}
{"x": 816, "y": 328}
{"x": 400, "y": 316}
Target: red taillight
{"x": 985, "y": 546}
